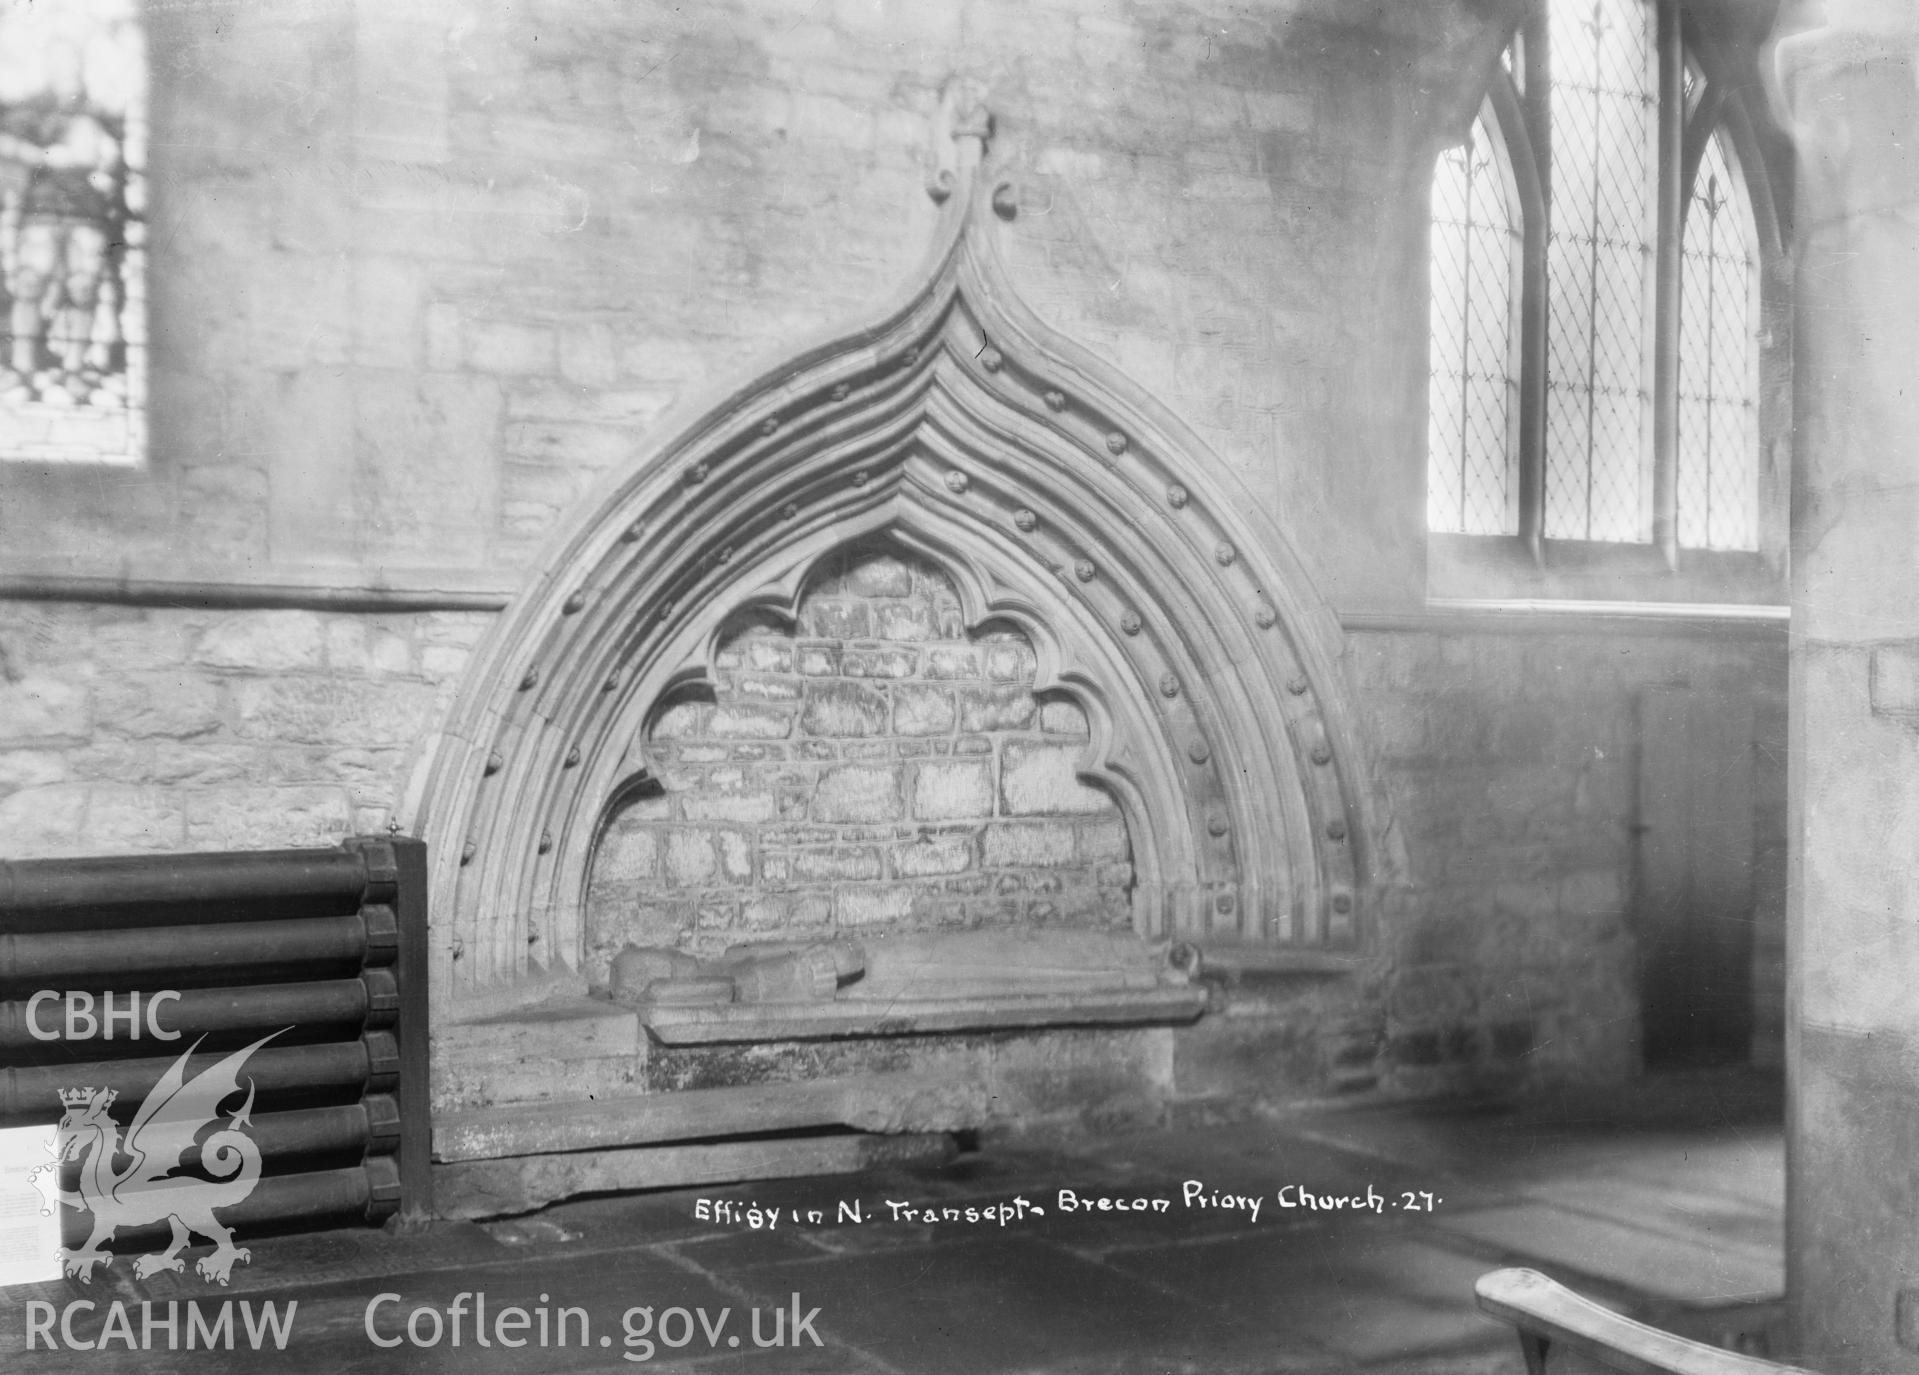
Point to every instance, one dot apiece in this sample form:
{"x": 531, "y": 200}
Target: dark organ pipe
{"x": 368, "y": 1127}
{"x": 117, "y": 890}
{"x": 371, "y": 1065}
{"x": 370, "y": 1192}
{"x": 134, "y": 957}
{"x": 322, "y": 951}
{"x": 372, "y": 1000}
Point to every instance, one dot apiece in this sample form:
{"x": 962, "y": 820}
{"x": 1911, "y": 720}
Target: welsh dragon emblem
{"x": 146, "y": 1190}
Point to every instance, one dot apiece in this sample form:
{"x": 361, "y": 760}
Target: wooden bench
{"x": 1561, "y": 1333}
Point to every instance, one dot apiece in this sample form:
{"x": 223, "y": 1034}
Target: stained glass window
{"x": 1718, "y": 480}
{"x": 73, "y": 140}
{"x": 1474, "y": 373}
{"x": 1600, "y": 250}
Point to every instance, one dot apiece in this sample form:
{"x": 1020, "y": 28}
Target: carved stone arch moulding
{"x": 1057, "y": 494}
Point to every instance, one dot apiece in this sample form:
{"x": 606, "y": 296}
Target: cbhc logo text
{"x": 82, "y": 1023}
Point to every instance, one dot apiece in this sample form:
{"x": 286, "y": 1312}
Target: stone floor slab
{"x": 1365, "y": 1292}
{"x": 1667, "y": 1267}
{"x": 1668, "y": 1203}
{"x": 1008, "y": 1304}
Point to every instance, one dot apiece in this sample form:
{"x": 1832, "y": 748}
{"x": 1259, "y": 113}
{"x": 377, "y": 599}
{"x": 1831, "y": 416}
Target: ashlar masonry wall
{"x": 871, "y": 769}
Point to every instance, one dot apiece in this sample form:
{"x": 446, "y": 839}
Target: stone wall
{"x": 1515, "y": 761}
{"x": 1512, "y": 956}
{"x": 126, "y": 728}
{"x": 871, "y": 769}
{"x": 1509, "y": 759}
{"x": 423, "y": 274}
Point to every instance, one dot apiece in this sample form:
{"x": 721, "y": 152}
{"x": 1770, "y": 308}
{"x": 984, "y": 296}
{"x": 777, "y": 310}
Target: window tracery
{"x": 1611, "y": 396}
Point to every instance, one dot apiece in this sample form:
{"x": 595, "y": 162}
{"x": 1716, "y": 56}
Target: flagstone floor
{"x": 1664, "y": 1199}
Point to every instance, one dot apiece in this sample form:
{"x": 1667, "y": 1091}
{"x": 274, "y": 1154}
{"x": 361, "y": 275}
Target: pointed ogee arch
{"x": 1058, "y": 496}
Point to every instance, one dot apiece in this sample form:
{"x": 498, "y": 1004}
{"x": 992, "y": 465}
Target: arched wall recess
{"x": 1059, "y": 496}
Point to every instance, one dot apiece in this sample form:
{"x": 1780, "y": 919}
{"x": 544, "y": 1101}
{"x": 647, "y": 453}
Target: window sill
{"x": 1486, "y": 569}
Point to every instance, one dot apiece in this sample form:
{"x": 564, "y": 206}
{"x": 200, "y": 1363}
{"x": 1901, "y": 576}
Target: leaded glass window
{"x": 1474, "y": 372}
{"x": 1600, "y": 240}
{"x": 1718, "y": 495}
{"x": 73, "y": 138}
{"x": 1595, "y": 346}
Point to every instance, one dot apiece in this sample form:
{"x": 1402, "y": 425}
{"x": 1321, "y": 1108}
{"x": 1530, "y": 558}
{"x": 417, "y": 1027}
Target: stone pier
{"x": 1850, "y": 92}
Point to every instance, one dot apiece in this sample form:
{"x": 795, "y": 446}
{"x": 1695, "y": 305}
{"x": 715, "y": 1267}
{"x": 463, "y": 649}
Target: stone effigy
{"x": 746, "y": 974}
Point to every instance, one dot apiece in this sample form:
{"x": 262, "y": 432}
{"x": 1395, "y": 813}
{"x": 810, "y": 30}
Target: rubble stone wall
{"x": 873, "y": 768}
